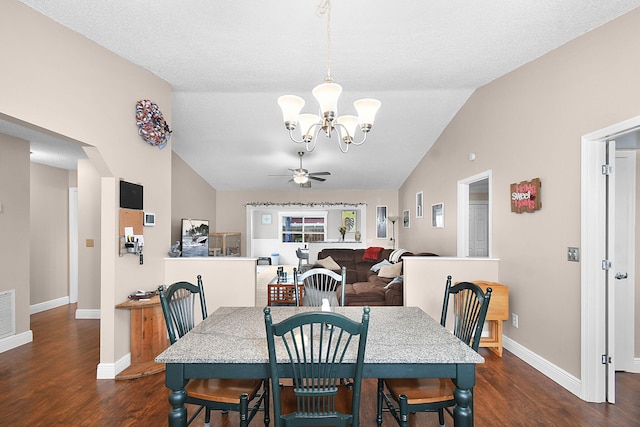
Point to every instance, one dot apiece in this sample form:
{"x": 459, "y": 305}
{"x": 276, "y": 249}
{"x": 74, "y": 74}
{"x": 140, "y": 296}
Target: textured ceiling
{"x": 228, "y": 61}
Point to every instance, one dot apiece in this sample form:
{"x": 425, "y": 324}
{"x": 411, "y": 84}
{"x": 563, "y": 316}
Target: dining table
{"x": 402, "y": 342}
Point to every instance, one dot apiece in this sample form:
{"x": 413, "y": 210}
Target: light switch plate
{"x": 573, "y": 254}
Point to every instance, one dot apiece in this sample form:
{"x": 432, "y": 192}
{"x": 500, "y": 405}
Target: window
{"x": 303, "y": 228}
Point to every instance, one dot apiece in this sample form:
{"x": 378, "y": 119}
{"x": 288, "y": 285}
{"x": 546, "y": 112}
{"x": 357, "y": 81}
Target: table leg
{"x": 174, "y": 380}
{"x": 177, "y": 413}
{"x": 463, "y": 395}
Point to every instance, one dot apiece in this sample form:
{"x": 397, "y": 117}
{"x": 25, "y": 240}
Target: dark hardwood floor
{"x": 51, "y": 381}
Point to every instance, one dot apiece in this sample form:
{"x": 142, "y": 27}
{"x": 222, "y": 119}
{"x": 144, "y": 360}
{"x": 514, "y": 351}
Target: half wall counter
{"x": 227, "y": 281}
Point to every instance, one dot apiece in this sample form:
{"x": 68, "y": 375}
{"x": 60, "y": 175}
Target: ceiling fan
{"x": 302, "y": 176}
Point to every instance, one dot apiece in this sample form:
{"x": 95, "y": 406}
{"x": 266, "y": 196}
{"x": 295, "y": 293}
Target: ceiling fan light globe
{"x": 367, "y": 109}
{"x": 291, "y": 106}
{"x": 327, "y": 95}
{"x": 300, "y": 179}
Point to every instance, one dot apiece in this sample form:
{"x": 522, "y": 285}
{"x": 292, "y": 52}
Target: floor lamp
{"x": 393, "y": 220}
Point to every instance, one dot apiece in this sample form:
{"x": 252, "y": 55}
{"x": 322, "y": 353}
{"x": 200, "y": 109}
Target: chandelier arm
{"x": 341, "y": 144}
{"x": 293, "y": 138}
{"x": 310, "y": 144}
{"x": 364, "y": 138}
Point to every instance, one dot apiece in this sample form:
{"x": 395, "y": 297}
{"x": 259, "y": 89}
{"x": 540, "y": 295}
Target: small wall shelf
{"x": 225, "y": 244}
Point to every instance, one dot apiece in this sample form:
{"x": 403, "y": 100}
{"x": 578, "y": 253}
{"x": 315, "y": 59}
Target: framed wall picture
{"x": 381, "y": 222}
{"x": 437, "y": 215}
{"x": 419, "y": 204}
{"x": 349, "y": 220}
{"x": 195, "y": 235}
{"x": 406, "y": 219}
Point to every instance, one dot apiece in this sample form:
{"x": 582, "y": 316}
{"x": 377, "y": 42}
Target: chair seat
{"x": 222, "y": 390}
{"x": 421, "y": 390}
{"x": 289, "y": 404}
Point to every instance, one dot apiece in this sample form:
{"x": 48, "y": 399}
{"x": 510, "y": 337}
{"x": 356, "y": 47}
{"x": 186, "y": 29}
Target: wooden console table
{"x": 498, "y": 312}
{"x": 148, "y": 338}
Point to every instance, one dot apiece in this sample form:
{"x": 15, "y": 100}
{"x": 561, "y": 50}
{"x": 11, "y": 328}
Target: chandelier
{"x": 327, "y": 95}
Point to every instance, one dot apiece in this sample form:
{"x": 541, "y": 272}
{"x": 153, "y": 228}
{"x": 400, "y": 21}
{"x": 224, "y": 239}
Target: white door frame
{"x": 593, "y": 242}
{"x": 463, "y": 213}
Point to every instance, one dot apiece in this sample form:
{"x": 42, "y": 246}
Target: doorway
{"x": 599, "y": 260}
{"x": 474, "y": 216}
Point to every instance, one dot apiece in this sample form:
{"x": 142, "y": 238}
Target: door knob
{"x": 621, "y": 276}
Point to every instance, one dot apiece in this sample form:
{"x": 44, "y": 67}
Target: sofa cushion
{"x": 391, "y": 271}
{"x": 328, "y": 263}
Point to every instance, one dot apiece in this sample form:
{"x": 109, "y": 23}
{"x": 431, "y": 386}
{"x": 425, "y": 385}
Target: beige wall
{"x": 191, "y": 197}
{"x": 49, "y": 233}
{"x": 88, "y": 229}
{"x": 231, "y": 208}
{"x": 524, "y": 125}
{"x": 55, "y": 79}
{"x": 15, "y": 225}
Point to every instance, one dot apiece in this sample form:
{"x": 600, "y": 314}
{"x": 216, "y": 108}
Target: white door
{"x": 624, "y": 256}
{"x": 478, "y": 230}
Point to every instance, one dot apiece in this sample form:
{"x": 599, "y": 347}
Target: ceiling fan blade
{"x": 316, "y": 178}
{"x": 280, "y": 175}
{"x": 319, "y": 173}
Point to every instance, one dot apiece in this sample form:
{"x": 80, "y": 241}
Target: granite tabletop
{"x": 396, "y": 335}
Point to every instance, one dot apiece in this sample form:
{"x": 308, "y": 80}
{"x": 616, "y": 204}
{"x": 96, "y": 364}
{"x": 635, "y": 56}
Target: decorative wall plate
{"x": 151, "y": 125}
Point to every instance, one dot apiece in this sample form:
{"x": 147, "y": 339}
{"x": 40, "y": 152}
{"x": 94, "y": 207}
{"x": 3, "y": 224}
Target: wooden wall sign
{"x": 525, "y": 196}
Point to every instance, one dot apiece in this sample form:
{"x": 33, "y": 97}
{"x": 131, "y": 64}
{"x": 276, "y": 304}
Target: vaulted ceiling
{"x": 228, "y": 61}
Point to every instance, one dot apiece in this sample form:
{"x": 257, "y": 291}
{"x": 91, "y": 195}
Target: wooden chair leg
{"x": 404, "y": 411}
{"x": 267, "y": 418}
{"x": 244, "y": 410}
{"x": 380, "y": 399}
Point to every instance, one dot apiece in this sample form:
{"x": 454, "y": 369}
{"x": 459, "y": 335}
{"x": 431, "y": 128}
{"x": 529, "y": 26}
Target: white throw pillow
{"x": 391, "y": 271}
{"x": 329, "y": 263}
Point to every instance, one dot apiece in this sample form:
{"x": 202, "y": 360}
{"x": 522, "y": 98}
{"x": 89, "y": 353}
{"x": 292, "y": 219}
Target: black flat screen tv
{"x": 130, "y": 195}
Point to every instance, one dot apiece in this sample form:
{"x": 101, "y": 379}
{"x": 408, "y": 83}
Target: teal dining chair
{"x": 409, "y": 395}
{"x": 178, "y": 306}
{"x": 318, "y": 349}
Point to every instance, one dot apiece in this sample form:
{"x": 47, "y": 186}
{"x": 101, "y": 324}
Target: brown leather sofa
{"x": 365, "y": 287}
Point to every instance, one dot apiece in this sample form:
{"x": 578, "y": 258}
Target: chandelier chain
{"x": 324, "y": 8}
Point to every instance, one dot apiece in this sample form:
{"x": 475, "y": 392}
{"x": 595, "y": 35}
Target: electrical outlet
{"x": 573, "y": 254}
{"x": 514, "y": 320}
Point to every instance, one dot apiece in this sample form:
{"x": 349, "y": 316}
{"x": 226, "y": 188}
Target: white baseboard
{"x": 48, "y": 305}
{"x": 88, "y": 313}
{"x": 560, "y": 376}
{"x": 15, "y": 341}
{"x": 108, "y": 371}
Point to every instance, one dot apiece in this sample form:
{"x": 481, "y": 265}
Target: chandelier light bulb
{"x": 306, "y": 122}
{"x": 327, "y": 95}
{"x": 348, "y": 128}
{"x": 291, "y": 106}
{"x": 367, "y": 109}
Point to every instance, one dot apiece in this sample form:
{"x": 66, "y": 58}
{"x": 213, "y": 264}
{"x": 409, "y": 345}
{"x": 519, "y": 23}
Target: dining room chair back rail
{"x": 404, "y": 396}
{"x": 320, "y": 349}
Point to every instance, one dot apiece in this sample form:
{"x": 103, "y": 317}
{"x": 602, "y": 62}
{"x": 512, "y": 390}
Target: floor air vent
{"x": 7, "y": 313}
